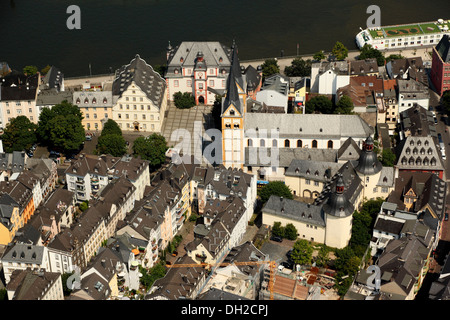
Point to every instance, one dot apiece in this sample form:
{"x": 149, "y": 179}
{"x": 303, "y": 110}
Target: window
{"x": 307, "y": 181}
{"x": 175, "y": 83}
{"x": 250, "y": 143}
{"x": 287, "y": 143}
{"x": 274, "y": 143}
{"x": 314, "y": 144}
{"x": 189, "y": 83}
{"x": 200, "y": 85}
{"x": 330, "y": 144}
{"x": 262, "y": 143}
{"x": 211, "y": 83}
{"x": 299, "y": 143}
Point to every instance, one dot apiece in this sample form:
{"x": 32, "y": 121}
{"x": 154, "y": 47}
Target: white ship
{"x": 404, "y": 36}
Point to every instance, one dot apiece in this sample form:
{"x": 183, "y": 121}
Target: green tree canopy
{"x": 277, "y": 188}
{"x": 394, "y": 57}
{"x": 270, "y": 67}
{"x": 302, "y": 252}
{"x": 290, "y": 232}
{"x": 344, "y": 105}
{"x": 66, "y": 133}
{"x": 111, "y": 127}
{"x": 298, "y": 68}
{"x": 152, "y": 148}
{"x": 277, "y": 229}
{"x": 320, "y": 104}
{"x": 45, "y": 70}
{"x": 113, "y": 144}
{"x": 183, "y": 100}
{"x": 60, "y": 127}
{"x": 340, "y": 51}
{"x": 319, "y": 55}
{"x": 30, "y": 70}
{"x": 322, "y": 258}
{"x": 19, "y": 134}
{"x": 369, "y": 52}
{"x": 387, "y": 158}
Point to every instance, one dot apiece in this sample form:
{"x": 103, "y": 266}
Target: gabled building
{"x": 411, "y": 92}
{"x": 96, "y": 107}
{"x": 440, "y": 66}
{"x": 179, "y": 283}
{"x": 10, "y": 219}
{"x": 366, "y": 67}
{"x": 18, "y": 97}
{"x": 275, "y": 92}
{"x": 419, "y": 154}
{"x": 21, "y": 256}
{"x": 35, "y": 285}
{"x": 140, "y": 97}
{"x": 407, "y": 69}
{"x": 328, "y": 76}
{"x": 199, "y": 68}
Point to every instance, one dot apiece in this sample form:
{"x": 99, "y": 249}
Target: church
{"x": 328, "y": 219}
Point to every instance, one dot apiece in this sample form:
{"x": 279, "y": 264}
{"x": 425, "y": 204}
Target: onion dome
{"x": 337, "y": 204}
{"x": 368, "y": 163}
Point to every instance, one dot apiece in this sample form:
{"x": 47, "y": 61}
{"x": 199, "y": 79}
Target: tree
{"x": 45, "y": 70}
{"x": 322, "y": 257}
{"x": 111, "y": 127}
{"x": 66, "y": 133}
{"x": 344, "y": 105}
{"x": 270, "y": 67}
{"x": 290, "y": 232}
{"x": 298, "y": 68}
{"x": 30, "y": 70}
{"x": 302, "y": 252}
{"x": 60, "y": 127}
{"x": 152, "y": 148}
{"x": 113, "y": 144}
{"x": 19, "y": 134}
{"x": 320, "y": 104}
{"x": 183, "y": 100}
{"x": 387, "y": 158}
{"x": 277, "y": 229}
{"x": 340, "y": 51}
{"x": 161, "y": 69}
{"x": 394, "y": 57}
{"x": 368, "y": 52}
{"x": 319, "y": 55}
{"x": 64, "y": 277}
{"x": 84, "y": 206}
{"x": 277, "y": 188}
{"x": 216, "y": 111}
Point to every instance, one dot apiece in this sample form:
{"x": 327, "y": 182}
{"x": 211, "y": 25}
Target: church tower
{"x": 232, "y": 115}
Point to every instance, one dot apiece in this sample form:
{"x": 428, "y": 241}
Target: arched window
{"x": 287, "y": 143}
{"x": 274, "y": 143}
{"x": 314, "y": 144}
{"x": 262, "y": 143}
{"x": 330, "y": 144}
{"x": 299, "y": 143}
{"x": 250, "y": 142}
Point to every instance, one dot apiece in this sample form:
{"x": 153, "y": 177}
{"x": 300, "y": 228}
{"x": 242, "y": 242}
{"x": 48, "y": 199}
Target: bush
{"x": 183, "y": 100}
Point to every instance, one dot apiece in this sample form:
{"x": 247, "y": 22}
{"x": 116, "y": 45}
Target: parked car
{"x": 288, "y": 264}
{"x": 446, "y": 216}
{"x": 276, "y": 238}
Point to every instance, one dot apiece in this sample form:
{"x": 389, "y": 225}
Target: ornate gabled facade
{"x": 200, "y": 68}
{"x": 139, "y": 95}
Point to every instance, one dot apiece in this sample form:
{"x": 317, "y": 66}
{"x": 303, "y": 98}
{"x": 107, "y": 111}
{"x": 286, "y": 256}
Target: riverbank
{"x": 283, "y": 62}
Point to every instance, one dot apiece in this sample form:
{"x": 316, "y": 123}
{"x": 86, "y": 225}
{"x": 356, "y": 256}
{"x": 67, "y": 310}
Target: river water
{"x": 113, "y": 31}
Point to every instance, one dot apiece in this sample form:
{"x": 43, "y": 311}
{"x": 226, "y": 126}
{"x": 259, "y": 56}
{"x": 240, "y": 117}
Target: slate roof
{"x": 149, "y": 81}
{"x": 419, "y": 153}
{"x": 24, "y": 253}
{"x": 296, "y": 210}
{"x": 319, "y": 126}
{"x": 53, "y": 79}
{"x": 363, "y": 67}
{"x": 314, "y": 170}
{"x": 14, "y": 161}
{"x": 368, "y": 163}
{"x": 178, "y": 283}
{"x": 51, "y": 97}
{"x": 428, "y": 187}
{"x": 19, "y": 87}
{"x": 31, "y": 285}
{"x": 443, "y": 48}
{"x": 92, "y": 99}
{"x": 418, "y": 121}
{"x": 286, "y": 155}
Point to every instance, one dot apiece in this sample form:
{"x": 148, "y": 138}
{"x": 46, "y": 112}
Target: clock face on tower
{"x": 200, "y": 75}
